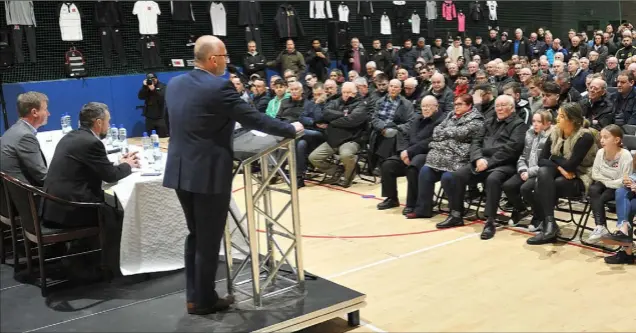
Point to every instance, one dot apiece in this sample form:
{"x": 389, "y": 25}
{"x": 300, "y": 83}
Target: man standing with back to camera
{"x": 203, "y": 108}
{"x": 153, "y": 93}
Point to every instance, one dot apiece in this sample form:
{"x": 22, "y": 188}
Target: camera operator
{"x": 152, "y": 93}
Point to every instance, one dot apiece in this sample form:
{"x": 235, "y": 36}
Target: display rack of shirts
{"x": 461, "y": 22}
{"x": 399, "y": 10}
{"x": 147, "y": 13}
{"x": 218, "y": 18}
{"x": 249, "y": 13}
{"x": 288, "y": 24}
{"x": 182, "y": 11}
{"x": 320, "y": 9}
{"x": 415, "y": 23}
{"x": 448, "y": 10}
{"x": 19, "y": 13}
{"x": 74, "y": 63}
{"x": 492, "y": 10}
{"x": 108, "y": 14}
{"x": 475, "y": 12}
{"x": 70, "y": 22}
{"x": 148, "y": 46}
{"x": 385, "y": 24}
{"x": 431, "y": 10}
{"x": 343, "y": 12}
{"x": 365, "y": 8}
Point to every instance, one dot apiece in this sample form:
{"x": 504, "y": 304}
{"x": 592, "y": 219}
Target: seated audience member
{"x": 353, "y": 75}
{"x": 402, "y": 74}
{"x": 567, "y": 94}
{"x": 280, "y": 93}
{"x": 311, "y": 117}
{"x": 610, "y": 73}
{"x": 565, "y": 169}
{"x": 331, "y": 90}
{"x": 501, "y": 77}
{"x": 522, "y": 106}
{"x": 240, "y": 88}
{"x": 624, "y": 100}
{"x": 481, "y": 77}
{"x": 20, "y": 153}
{"x": 449, "y": 149}
{"x": 551, "y": 93}
{"x": 577, "y": 74}
{"x": 597, "y": 107}
{"x": 611, "y": 165}
{"x": 337, "y": 76}
{"x": 391, "y": 120}
{"x": 535, "y": 98}
{"x": 411, "y": 92}
{"x": 484, "y": 98}
{"x": 625, "y": 210}
{"x": 78, "y": 168}
{"x": 424, "y": 81}
{"x": 272, "y": 84}
{"x": 519, "y": 188}
{"x": 381, "y": 83}
{"x": 346, "y": 122}
{"x": 291, "y": 108}
{"x": 413, "y": 149}
{"x": 443, "y": 93}
{"x": 310, "y": 80}
{"x": 461, "y": 83}
{"x": 596, "y": 63}
{"x": 363, "y": 88}
{"x": 260, "y": 98}
{"x": 494, "y": 152}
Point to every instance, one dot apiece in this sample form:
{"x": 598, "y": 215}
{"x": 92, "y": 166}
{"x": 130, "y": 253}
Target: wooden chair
{"x": 26, "y": 198}
{"x": 10, "y": 229}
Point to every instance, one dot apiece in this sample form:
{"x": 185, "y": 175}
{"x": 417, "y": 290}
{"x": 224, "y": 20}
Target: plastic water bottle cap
{"x": 154, "y": 132}
{"x": 121, "y": 125}
{"x": 145, "y": 134}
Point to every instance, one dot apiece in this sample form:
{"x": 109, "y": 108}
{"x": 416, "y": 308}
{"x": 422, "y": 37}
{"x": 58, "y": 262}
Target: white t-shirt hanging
{"x": 70, "y": 22}
{"x": 415, "y": 23}
{"x": 147, "y": 12}
{"x": 218, "y": 18}
{"x": 385, "y": 25}
{"x": 343, "y": 13}
{"x": 492, "y": 10}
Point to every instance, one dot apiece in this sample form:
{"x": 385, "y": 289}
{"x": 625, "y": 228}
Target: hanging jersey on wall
{"x": 343, "y": 13}
{"x": 385, "y": 25}
{"x": 6, "y": 49}
{"x": 147, "y": 12}
{"x": 218, "y": 18}
{"x": 182, "y": 11}
{"x": 19, "y": 13}
{"x": 74, "y": 65}
{"x": 148, "y": 46}
{"x": 492, "y": 10}
{"x": 320, "y": 9}
{"x": 415, "y": 23}
{"x": 70, "y": 22}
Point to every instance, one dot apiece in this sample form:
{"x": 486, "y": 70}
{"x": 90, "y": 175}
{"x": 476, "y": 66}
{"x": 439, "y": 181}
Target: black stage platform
{"x": 157, "y": 304}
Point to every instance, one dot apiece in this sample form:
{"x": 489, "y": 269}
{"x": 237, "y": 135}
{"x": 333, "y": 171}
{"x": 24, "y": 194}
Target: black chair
{"x": 572, "y": 210}
{"x": 9, "y": 225}
{"x": 629, "y": 142}
{"x": 25, "y": 198}
{"x": 585, "y": 227}
{"x": 629, "y": 129}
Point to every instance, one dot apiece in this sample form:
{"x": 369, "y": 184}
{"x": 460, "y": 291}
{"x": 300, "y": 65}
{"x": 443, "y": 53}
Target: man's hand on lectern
{"x": 298, "y": 126}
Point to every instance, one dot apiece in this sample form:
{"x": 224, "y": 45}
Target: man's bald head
{"x": 208, "y": 51}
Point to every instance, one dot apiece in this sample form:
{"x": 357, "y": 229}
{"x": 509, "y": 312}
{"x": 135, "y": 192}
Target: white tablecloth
{"x": 154, "y": 227}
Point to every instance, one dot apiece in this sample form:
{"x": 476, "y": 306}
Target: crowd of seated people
{"x": 533, "y": 119}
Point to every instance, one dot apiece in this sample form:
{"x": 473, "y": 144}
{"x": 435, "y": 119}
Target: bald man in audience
{"x": 442, "y": 93}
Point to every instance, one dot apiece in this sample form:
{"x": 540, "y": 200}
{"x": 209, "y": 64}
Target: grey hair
{"x": 29, "y": 101}
{"x": 372, "y": 64}
{"x": 508, "y": 99}
{"x": 410, "y": 82}
{"x": 91, "y": 112}
{"x": 295, "y": 84}
{"x": 360, "y": 81}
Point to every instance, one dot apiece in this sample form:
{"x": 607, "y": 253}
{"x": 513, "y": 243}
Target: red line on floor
{"x": 238, "y": 189}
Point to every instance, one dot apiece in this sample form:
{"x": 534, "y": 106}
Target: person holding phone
{"x": 153, "y": 92}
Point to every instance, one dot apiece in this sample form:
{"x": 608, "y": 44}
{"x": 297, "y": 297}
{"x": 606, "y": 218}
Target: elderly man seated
{"x": 345, "y": 119}
{"x": 392, "y": 115}
{"x": 493, "y": 155}
{"x": 413, "y": 148}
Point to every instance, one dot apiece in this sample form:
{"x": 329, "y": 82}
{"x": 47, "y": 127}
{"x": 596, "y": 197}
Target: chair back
{"x": 629, "y": 129}
{"x": 629, "y": 142}
{"x": 23, "y": 197}
{"x": 4, "y": 202}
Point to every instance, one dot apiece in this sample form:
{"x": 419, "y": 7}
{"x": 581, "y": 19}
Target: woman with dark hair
{"x": 600, "y": 48}
{"x": 449, "y": 150}
{"x": 565, "y": 169}
{"x": 611, "y": 165}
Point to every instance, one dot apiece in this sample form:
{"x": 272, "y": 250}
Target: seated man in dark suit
{"x": 78, "y": 168}
{"x": 20, "y": 154}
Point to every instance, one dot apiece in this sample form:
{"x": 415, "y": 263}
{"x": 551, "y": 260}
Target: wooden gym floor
{"x": 418, "y": 278}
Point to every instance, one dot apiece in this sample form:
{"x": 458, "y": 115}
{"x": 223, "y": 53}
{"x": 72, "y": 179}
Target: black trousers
{"x": 110, "y": 37}
{"x": 253, "y": 33}
{"x": 401, "y": 31}
{"x": 551, "y": 186}
{"x": 520, "y": 194}
{"x": 392, "y": 168}
{"x": 18, "y": 31}
{"x": 206, "y": 215}
{"x": 366, "y": 25}
{"x": 430, "y": 28}
{"x": 493, "y": 182}
{"x": 158, "y": 125}
{"x": 599, "y": 196}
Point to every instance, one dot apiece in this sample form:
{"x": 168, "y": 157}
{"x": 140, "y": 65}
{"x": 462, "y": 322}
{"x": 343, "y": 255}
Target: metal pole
{"x": 253, "y": 236}
{"x": 267, "y": 203}
{"x": 296, "y": 212}
{"x": 228, "y": 256}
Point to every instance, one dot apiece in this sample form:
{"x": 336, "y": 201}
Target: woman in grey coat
{"x": 520, "y": 187}
{"x": 448, "y": 151}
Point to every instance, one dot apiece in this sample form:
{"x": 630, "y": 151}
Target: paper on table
{"x": 258, "y": 133}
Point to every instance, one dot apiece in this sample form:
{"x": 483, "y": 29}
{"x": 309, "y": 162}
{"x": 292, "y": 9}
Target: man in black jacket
{"x": 153, "y": 93}
{"x": 260, "y": 98}
{"x": 317, "y": 60}
{"x": 77, "y": 170}
{"x": 441, "y": 92}
{"x": 482, "y": 50}
{"x": 411, "y": 157}
{"x": 597, "y": 106}
{"x": 407, "y": 57}
{"x": 254, "y": 62}
{"x": 493, "y": 155}
{"x": 381, "y": 57}
{"x": 346, "y": 120}
{"x": 625, "y": 99}
{"x": 355, "y": 57}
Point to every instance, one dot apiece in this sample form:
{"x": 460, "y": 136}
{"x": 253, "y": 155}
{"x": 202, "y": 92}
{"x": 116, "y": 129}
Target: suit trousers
{"x": 110, "y": 37}
{"x": 366, "y": 25}
{"x": 599, "y": 196}
{"x": 551, "y": 186}
{"x": 392, "y": 168}
{"x": 18, "y": 31}
{"x": 426, "y": 188}
{"x": 253, "y": 33}
{"x": 206, "y": 216}
{"x": 493, "y": 180}
{"x": 347, "y": 152}
{"x": 520, "y": 193}
{"x": 158, "y": 125}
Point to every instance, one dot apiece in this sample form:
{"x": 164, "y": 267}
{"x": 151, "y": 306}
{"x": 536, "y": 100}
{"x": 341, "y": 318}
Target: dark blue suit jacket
{"x": 203, "y": 109}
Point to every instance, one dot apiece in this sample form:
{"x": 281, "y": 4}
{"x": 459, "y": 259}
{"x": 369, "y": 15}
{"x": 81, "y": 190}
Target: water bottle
{"x": 114, "y": 134}
{"x": 156, "y": 151}
{"x": 67, "y": 118}
{"x": 63, "y": 123}
{"x": 123, "y": 139}
{"x": 147, "y": 146}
